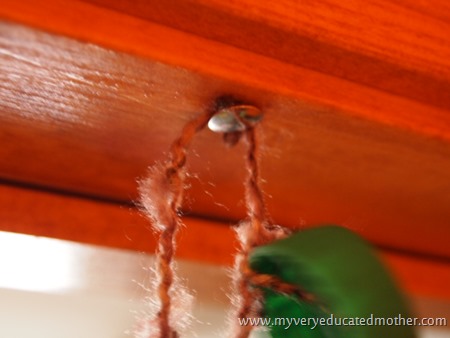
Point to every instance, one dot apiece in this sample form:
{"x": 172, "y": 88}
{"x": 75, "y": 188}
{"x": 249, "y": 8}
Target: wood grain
{"x": 398, "y": 47}
{"x": 145, "y": 39}
{"x": 356, "y": 128}
{"x": 87, "y": 221}
{"x": 84, "y": 119}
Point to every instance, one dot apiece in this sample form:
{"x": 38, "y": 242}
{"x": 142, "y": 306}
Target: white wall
{"x": 59, "y": 289}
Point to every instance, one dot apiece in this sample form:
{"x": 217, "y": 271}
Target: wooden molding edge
{"x": 76, "y": 219}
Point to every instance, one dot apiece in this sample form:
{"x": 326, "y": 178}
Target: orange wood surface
{"x": 401, "y": 47}
{"x": 82, "y": 220}
{"x": 225, "y": 63}
{"x": 81, "y": 118}
{"x": 87, "y": 221}
{"x": 356, "y": 128}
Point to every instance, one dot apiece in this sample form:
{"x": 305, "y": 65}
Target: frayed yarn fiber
{"x": 157, "y": 197}
{"x": 161, "y": 193}
{"x": 180, "y": 317}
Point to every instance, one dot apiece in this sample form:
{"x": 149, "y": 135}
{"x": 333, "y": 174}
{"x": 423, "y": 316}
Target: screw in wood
{"x": 235, "y": 118}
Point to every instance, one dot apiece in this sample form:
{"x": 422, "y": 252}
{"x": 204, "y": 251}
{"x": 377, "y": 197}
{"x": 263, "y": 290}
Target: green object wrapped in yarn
{"x": 344, "y": 276}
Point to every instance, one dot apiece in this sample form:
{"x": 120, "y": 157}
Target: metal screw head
{"x": 235, "y": 118}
